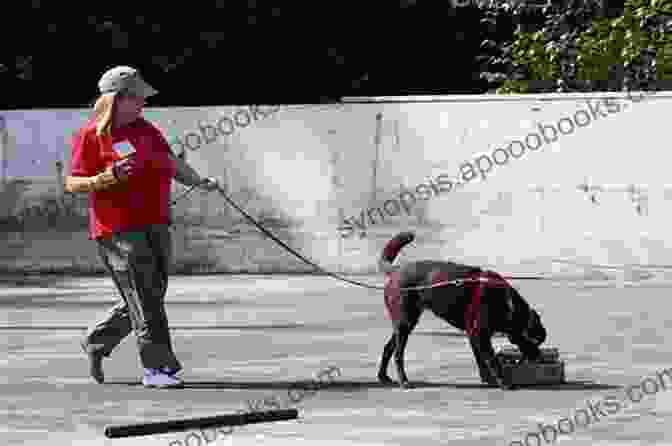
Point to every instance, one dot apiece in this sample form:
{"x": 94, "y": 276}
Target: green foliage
{"x": 530, "y": 50}
{"x": 577, "y": 49}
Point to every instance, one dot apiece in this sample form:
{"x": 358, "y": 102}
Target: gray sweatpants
{"x": 138, "y": 262}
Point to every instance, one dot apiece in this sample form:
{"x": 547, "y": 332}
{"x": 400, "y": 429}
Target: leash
{"x": 189, "y": 190}
{"x": 454, "y": 282}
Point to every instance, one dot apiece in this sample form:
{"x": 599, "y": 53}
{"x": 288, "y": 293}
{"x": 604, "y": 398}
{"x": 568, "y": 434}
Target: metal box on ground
{"x": 547, "y": 370}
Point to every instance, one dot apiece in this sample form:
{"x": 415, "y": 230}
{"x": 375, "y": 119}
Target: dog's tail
{"x": 391, "y": 250}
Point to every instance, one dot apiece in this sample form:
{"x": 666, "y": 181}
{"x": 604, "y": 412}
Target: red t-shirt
{"x": 144, "y": 198}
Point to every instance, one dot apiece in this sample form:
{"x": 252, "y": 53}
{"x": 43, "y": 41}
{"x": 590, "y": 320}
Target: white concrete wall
{"x": 312, "y": 166}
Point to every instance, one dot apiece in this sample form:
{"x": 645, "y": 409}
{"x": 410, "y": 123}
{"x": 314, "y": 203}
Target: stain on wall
{"x": 301, "y": 171}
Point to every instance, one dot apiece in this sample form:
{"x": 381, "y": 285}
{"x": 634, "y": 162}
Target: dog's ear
{"x": 521, "y": 309}
{"x": 510, "y": 305}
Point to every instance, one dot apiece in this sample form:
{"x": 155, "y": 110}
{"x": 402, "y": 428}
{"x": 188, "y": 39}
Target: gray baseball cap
{"x": 127, "y": 79}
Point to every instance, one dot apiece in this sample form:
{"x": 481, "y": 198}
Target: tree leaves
{"x": 579, "y": 50}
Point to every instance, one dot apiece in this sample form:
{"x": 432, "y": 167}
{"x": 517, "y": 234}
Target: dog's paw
{"x": 504, "y": 384}
{"x": 486, "y": 377}
{"x": 530, "y": 360}
{"x": 385, "y": 379}
{"x": 405, "y": 385}
{"x": 496, "y": 381}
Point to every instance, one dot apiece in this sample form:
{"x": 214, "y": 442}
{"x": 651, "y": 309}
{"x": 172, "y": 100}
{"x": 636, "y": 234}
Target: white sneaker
{"x": 157, "y": 378}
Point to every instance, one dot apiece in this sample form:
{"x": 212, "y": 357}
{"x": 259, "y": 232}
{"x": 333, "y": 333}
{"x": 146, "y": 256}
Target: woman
{"x": 126, "y": 166}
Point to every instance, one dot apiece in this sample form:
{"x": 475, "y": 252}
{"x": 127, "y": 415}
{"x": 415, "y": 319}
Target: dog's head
{"x": 528, "y": 327}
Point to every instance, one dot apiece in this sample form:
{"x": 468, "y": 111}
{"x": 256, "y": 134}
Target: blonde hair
{"x": 103, "y": 113}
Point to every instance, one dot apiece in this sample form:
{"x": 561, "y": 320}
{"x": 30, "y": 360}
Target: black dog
{"x": 499, "y": 309}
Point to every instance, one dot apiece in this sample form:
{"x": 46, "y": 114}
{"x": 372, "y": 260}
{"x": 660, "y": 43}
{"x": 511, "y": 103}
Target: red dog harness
{"x": 480, "y": 280}
{"x": 472, "y": 320}
{"x": 392, "y": 296}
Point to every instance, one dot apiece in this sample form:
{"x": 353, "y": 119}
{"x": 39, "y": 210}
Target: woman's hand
{"x": 121, "y": 169}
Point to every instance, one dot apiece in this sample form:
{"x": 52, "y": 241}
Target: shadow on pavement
{"x": 450, "y": 334}
{"x": 363, "y": 385}
{"x": 572, "y": 385}
{"x": 33, "y": 280}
